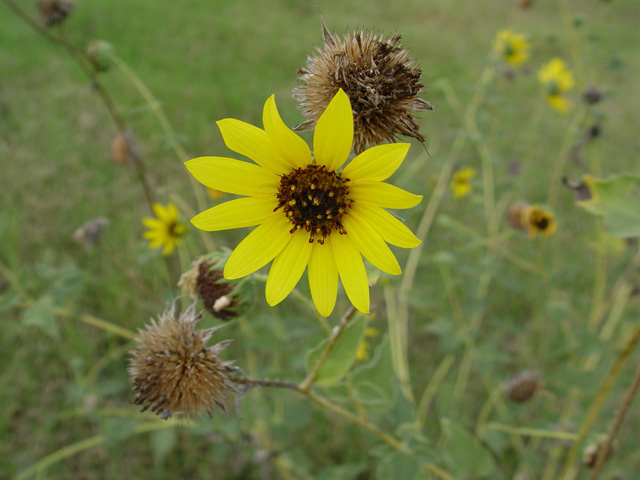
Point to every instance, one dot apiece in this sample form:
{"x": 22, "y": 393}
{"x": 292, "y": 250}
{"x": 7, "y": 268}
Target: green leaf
{"x": 617, "y": 200}
{"x": 40, "y": 315}
{"x": 398, "y": 465}
{"x": 374, "y": 381}
{"x": 162, "y": 442}
{"x": 342, "y": 355}
{"x": 468, "y": 458}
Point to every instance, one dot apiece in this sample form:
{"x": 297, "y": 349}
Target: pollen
{"x": 319, "y": 213}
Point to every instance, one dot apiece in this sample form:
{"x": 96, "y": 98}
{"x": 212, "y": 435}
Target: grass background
{"x": 207, "y": 60}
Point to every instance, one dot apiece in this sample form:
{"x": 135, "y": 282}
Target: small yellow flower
{"x": 556, "y": 79}
{"x": 539, "y": 221}
{"x": 363, "y": 348}
{"x": 308, "y": 211}
{"x": 461, "y": 182}
{"x": 166, "y": 229}
{"x": 512, "y": 47}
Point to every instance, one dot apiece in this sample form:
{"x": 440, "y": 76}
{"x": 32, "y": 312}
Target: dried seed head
{"x": 592, "y": 94}
{"x": 224, "y": 299}
{"x": 379, "y": 79}
{"x": 54, "y": 12}
{"x": 522, "y": 387}
{"x": 123, "y": 149}
{"x": 516, "y": 215}
{"x": 171, "y": 369}
{"x": 90, "y": 233}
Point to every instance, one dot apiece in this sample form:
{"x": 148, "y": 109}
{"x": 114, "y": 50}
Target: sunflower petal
{"x": 233, "y": 176}
{"x": 288, "y": 267}
{"x": 259, "y": 247}
{"x": 242, "y": 212}
{"x": 389, "y": 227}
{"x": 289, "y": 145}
{"x": 382, "y": 194}
{"x": 252, "y": 142}
{"x": 371, "y": 245}
{"x": 333, "y": 135}
{"x": 352, "y": 272}
{"x": 323, "y": 278}
{"x": 377, "y": 163}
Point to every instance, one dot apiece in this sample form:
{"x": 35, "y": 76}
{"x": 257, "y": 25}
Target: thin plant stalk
{"x": 306, "y": 384}
{"x": 617, "y": 423}
{"x": 568, "y": 471}
{"x": 180, "y": 152}
{"x": 72, "y": 449}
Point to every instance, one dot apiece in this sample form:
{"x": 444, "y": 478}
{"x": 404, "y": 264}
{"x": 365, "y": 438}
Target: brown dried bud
{"x": 90, "y": 233}
{"x": 123, "y": 149}
{"x": 54, "y": 12}
{"x": 592, "y": 94}
{"x": 593, "y": 451}
{"x": 224, "y": 299}
{"x": 516, "y": 216}
{"x": 379, "y": 79}
{"x": 171, "y": 369}
{"x": 522, "y": 387}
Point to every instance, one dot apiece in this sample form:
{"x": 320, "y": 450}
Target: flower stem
{"x": 598, "y": 401}
{"x": 306, "y": 384}
{"x": 328, "y": 405}
{"x": 68, "y": 451}
{"x": 617, "y": 423}
{"x": 180, "y": 152}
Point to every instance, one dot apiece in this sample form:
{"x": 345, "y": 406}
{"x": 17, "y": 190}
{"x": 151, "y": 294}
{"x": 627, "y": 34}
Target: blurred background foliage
{"x": 564, "y": 308}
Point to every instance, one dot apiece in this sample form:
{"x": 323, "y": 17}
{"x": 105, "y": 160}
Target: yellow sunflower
{"x": 308, "y": 210}
{"x": 556, "y": 79}
{"x": 165, "y": 230}
{"x": 512, "y": 47}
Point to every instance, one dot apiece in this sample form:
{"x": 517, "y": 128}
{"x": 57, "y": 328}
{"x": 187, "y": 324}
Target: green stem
{"x": 332, "y": 407}
{"x": 180, "y": 152}
{"x": 563, "y": 154}
{"x": 41, "y": 465}
{"x": 617, "y": 423}
{"x": 598, "y": 401}
{"x": 306, "y": 384}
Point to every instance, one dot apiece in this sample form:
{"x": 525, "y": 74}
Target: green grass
{"x": 208, "y": 60}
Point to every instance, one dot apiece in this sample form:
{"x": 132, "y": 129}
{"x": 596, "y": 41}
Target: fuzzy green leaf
{"x": 468, "y": 458}
{"x": 342, "y": 355}
{"x": 617, "y": 200}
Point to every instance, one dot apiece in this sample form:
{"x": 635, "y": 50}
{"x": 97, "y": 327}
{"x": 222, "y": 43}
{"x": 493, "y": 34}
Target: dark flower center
{"x": 315, "y": 200}
{"x": 542, "y": 222}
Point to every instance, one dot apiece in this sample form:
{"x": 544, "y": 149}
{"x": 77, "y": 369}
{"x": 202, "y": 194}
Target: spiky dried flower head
{"x": 222, "y": 298}
{"x": 522, "y": 387}
{"x": 173, "y": 371}
{"x": 54, "y": 12}
{"x": 377, "y": 76}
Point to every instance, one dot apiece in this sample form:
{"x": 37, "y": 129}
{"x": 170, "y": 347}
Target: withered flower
{"x": 222, "y": 298}
{"x": 377, "y": 76}
{"x": 522, "y": 387}
{"x": 173, "y": 371}
{"x": 54, "y": 12}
